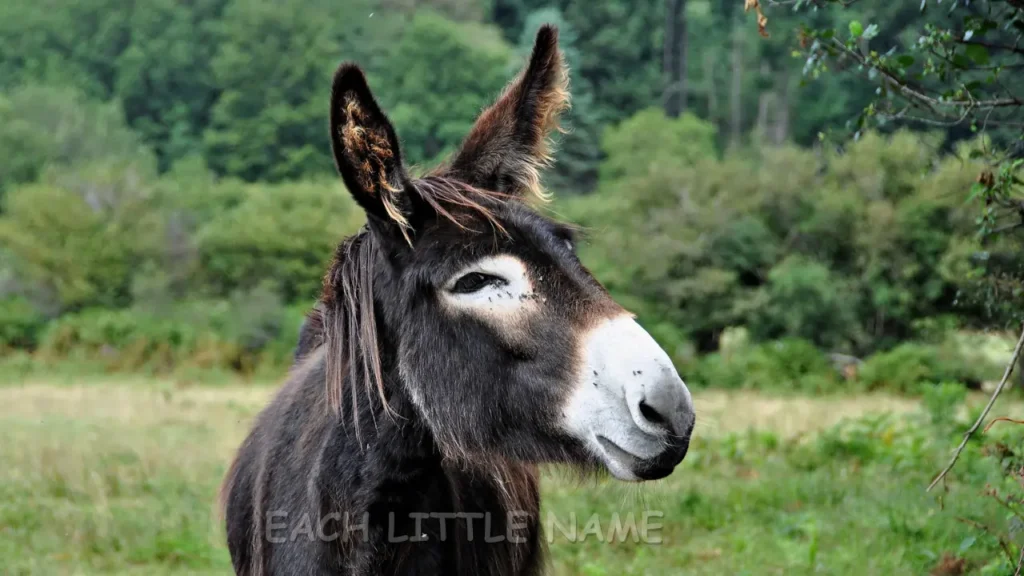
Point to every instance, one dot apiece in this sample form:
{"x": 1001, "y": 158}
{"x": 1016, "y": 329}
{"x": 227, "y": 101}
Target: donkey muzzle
{"x": 630, "y": 407}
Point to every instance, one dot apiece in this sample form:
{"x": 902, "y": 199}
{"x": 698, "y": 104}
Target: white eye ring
{"x": 497, "y": 284}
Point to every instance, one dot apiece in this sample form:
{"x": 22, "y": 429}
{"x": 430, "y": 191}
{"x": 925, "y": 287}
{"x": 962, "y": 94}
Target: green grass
{"x": 120, "y": 477}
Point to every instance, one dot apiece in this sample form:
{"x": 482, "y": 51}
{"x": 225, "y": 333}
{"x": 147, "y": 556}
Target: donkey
{"x": 457, "y": 344}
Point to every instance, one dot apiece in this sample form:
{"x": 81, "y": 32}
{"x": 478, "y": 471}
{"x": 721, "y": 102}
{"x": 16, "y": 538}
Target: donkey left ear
{"x": 366, "y": 149}
{"x": 508, "y": 144}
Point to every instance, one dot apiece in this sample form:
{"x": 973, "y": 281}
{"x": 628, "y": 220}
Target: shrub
{"x": 82, "y": 234}
{"x": 784, "y": 365}
{"x": 803, "y": 299}
{"x": 286, "y": 232}
{"x": 20, "y": 323}
{"x": 909, "y": 366}
{"x": 649, "y": 138}
{"x": 122, "y": 339}
{"x": 252, "y": 331}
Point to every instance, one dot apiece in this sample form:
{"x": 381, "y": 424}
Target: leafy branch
{"x": 981, "y": 417}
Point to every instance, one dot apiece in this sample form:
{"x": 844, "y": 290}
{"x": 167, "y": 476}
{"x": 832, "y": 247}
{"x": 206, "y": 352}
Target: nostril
{"x": 652, "y": 415}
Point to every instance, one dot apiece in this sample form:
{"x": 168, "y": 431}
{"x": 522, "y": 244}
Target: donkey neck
{"x": 416, "y": 508}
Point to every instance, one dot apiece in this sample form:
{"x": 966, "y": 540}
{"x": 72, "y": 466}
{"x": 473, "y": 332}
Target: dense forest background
{"x": 168, "y": 203}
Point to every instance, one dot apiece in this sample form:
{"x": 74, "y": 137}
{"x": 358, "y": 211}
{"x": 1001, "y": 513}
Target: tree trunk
{"x": 736, "y": 87}
{"x": 711, "y": 87}
{"x": 676, "y": 53}
{"x": 765, "y": 104}
{"x": 781, "y": 129}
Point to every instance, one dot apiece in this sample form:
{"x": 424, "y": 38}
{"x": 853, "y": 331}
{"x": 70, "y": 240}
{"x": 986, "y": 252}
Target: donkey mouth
{"x": 625, "y": 465}
{"x": 619, "y": 462}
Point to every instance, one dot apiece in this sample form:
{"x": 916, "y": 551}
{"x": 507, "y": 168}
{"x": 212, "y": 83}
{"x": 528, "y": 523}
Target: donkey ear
{"x": 508, "y": 144}
{"x": 366, "y": 149}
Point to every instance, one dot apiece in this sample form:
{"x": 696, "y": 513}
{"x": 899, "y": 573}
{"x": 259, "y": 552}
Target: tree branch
{"x": 1002, "y": 542}
{"x": 915, "y": 95}
{"x": 1020, "y": 562}
{"x": 994, "y": 46}
{"x": 981, "y": 418}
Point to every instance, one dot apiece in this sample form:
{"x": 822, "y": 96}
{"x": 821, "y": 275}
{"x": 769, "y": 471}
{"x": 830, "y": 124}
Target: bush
{"x": 284, "y": 232}
{"x": 253, "y": 331}
{"x": 784, "y": 365}
{"x": 847, "y": 251}
{"x": 123, "y": 339}
{"x": 20, "y": 324}
{"x": 910, "y": 366}
{"x": 43, "y": 126}
{"x": 81, "y": 234}
{"x": 650, "y": 139}
{"x": 804, "y": 299}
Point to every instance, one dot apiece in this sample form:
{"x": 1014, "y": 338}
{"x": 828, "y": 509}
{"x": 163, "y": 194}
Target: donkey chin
{"x": 630, "y": 408}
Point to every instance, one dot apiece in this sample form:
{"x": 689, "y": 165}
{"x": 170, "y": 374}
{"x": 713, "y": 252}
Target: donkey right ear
{"x": 366, "y": 149}
{"x": 508, "y": 144}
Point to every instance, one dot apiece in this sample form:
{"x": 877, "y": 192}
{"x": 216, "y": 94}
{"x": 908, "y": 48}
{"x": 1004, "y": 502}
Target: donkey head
{"x": 504, "y": 343}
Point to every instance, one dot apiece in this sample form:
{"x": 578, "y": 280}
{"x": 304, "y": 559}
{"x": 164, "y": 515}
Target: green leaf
{"x": 856, "y": 29}
{"x": 871, "y": 32}
{"x": 967, "y": 543}
{"x": 905, "y": 60}
{"x": 977, "y": 189}
{"x": 961, "y": 61}
{"x": 977, "y": 53}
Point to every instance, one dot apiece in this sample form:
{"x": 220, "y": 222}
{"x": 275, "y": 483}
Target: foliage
{"x": 80, "y": 236}
{"x": 283, "y": 233}
{"x": 803, "y": 299}
{"x": 439, "y": 77}
{"x": 275, "y": 64}
{"x": 847, "y": 250}
{"x": 648, "y": 140}
{"x": 948, "y": 66}
{"x": 58, "y": 127}
{"x": 20, "y": 323}
{"x": 783, "y": 365}
{"x": 251, "y": 331}
{"x": 909, "y": 366}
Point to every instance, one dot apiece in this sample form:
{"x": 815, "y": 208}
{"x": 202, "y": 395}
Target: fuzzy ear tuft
{"x": 366, "y": 149}
{"x": 509, "y": 143}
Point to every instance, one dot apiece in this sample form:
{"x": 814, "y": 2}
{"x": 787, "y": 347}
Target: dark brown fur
{"x": 395, "y": 406}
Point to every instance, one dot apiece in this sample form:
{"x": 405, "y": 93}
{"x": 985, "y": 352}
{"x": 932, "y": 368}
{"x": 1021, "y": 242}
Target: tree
{"x": 273, "y": 71}
{"x": 77, "y": 238}
{"x": 951, "y": 67}
{"x": 676, "y": 56}
{"x": 164, "y": 75}
{"x": 42, "y": 126}
{"x": 954, "y": 71}
{"x": 579, "y": 152}
{"x": 439, "y": 77}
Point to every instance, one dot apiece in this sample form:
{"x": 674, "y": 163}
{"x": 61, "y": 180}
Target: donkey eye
{"x": 476, "y": 281}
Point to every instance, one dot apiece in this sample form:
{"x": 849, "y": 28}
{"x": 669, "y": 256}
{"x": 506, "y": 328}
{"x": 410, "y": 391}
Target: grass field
{"x": 119, "y": 476}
